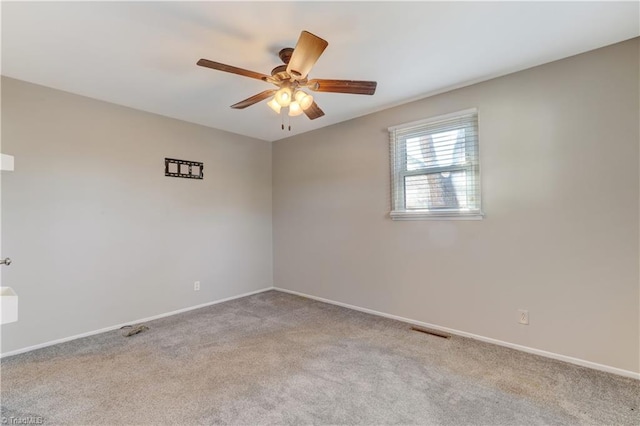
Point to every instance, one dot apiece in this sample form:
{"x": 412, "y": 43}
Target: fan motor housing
{"x": 278, "y": 70}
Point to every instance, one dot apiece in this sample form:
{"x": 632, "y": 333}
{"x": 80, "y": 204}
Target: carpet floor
{"x": 275, "y": 358}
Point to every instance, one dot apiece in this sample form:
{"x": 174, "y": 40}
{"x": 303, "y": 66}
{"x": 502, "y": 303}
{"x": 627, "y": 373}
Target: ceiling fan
{"x": 291, "y": 77}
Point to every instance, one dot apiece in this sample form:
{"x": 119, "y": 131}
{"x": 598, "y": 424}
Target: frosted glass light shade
{"x": 274, "y": 105}
{"x": 283, "y": 96}
{"x": 294, "y": 109}
{"x": 303, "y": 99}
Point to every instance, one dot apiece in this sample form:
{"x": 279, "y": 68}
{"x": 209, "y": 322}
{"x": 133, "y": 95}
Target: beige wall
{"x": 99, "y": 236}
{"x": 559, "y": 157}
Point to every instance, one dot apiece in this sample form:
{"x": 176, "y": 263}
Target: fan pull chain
{"x": 282, "y": 121}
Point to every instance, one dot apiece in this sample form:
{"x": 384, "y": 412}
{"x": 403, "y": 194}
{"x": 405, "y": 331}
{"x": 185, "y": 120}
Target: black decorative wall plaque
{"x": 183, "y": 168}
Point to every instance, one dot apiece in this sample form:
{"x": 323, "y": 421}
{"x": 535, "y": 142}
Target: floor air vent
{"x": 432, "y": 332}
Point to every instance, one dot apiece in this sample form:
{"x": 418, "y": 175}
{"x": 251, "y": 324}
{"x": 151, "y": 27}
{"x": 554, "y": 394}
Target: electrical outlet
{"x": 196, "y": 286}
{"x": 523, "y": 316}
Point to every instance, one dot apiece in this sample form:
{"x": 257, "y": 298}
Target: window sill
{"x": 429, "y": 215}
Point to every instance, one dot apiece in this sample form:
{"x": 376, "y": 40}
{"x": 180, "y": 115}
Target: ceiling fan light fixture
{"x": 274, "y": 105}
{"x": 294, "y": 109}
{"x": 283, "y": 96}
{"x": 291, "y": 76}
{"x": 305, "y": 100}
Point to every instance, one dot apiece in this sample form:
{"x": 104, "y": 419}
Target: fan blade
{"x": 305, "y": 54}
{"x": 254, "y": 99}
{"x": 314, "y": 111}
{"x": 233, "y": 70}
{"x": 343, "y": 86}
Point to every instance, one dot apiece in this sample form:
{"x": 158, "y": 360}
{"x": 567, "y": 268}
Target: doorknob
{"x": 6, "y": 261}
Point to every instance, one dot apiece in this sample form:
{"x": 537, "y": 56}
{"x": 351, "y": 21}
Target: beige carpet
{"x": 274, "y": 358}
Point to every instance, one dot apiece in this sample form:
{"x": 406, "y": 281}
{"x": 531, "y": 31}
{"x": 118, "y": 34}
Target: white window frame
{"x": 399, "y": 172}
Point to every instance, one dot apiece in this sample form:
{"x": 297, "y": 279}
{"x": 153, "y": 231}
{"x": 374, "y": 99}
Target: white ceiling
{"x": 143, "y": 55}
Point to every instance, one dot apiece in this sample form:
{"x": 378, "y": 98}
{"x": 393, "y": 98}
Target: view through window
{"x": 435, "y": 167}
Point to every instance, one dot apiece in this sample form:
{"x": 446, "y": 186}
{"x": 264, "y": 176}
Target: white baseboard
{"x": 115, "y": 327}
{"x": 565, "y": 358}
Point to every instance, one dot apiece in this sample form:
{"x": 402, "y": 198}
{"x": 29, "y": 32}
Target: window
{"x": 435, "y": 170}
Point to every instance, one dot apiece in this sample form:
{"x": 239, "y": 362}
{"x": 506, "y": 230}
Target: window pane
{"x": 436, "y": 150}
{"x": 445, "y": 190}
{"x": 435, "y": 168}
